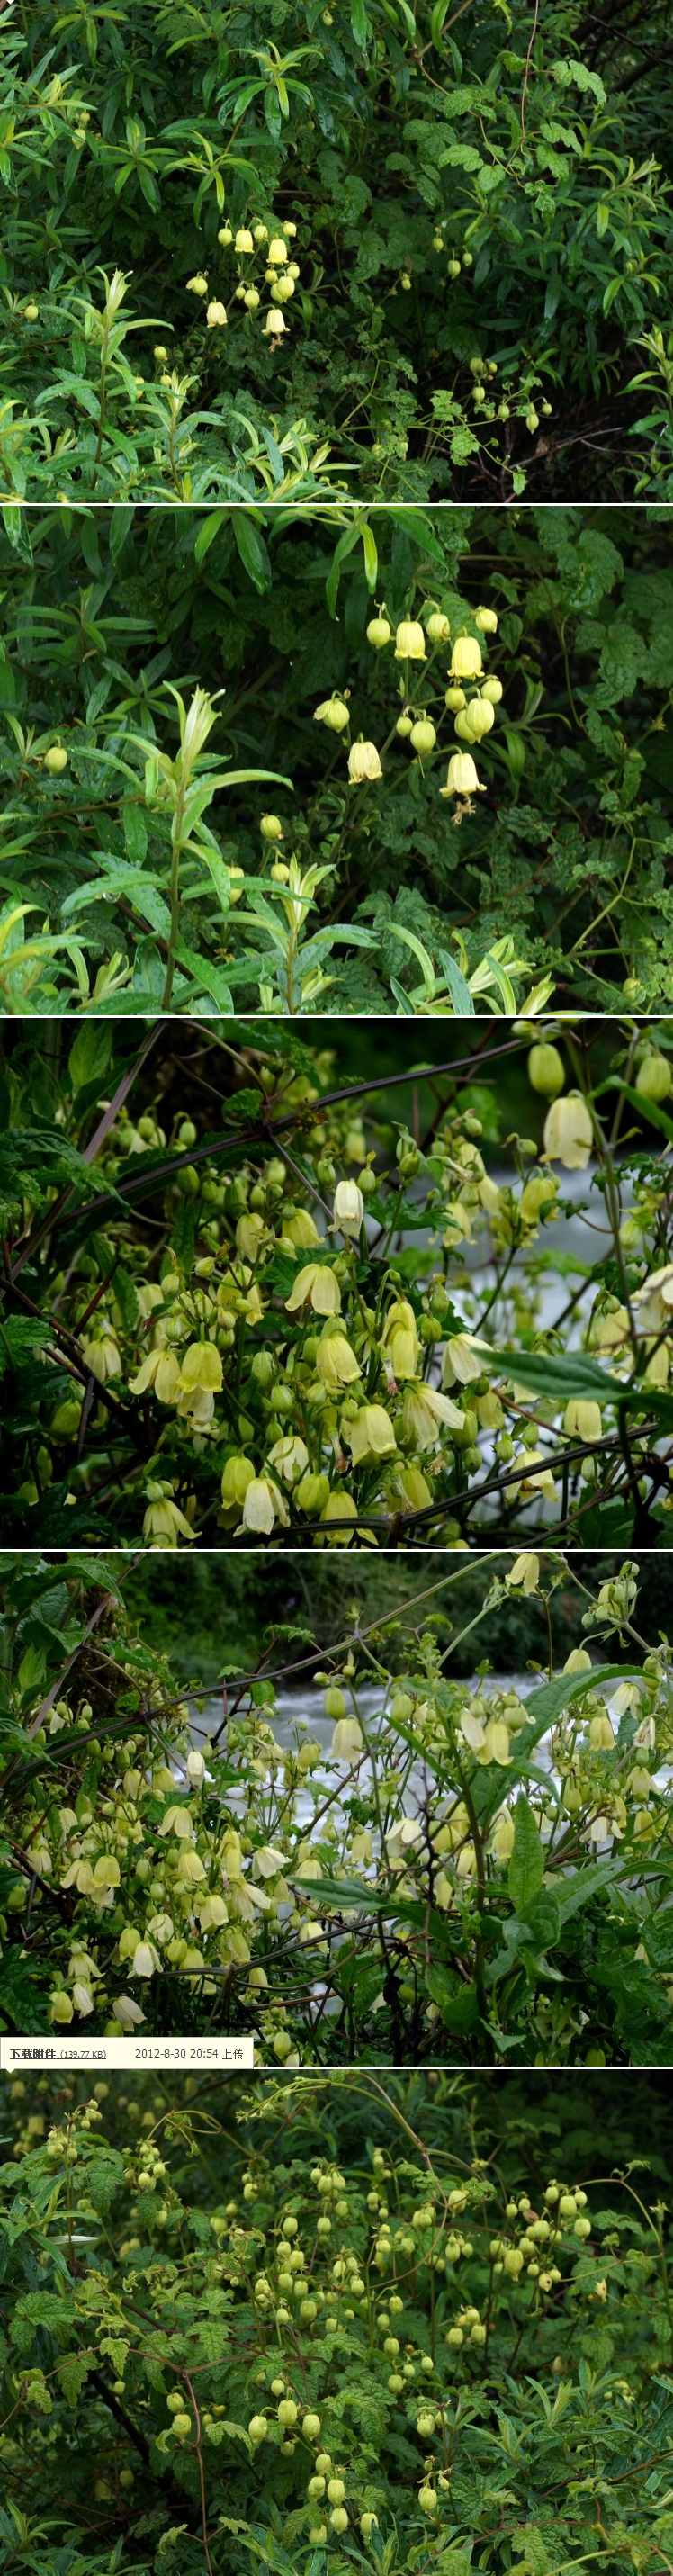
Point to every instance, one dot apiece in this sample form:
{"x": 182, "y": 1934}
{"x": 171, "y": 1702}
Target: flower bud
{"x": 197, "y": 285}
{"x": 271, "y": 827}
{"x": 653, "y": 1078}
{"x": 437, "y": 627}
{"x": 492, "y": 690}
{"x": 378, "y": 633}
{"x": 404, "y": 726}
{"x": 545, "y": 1070}
{"x": 225, "y": 235}
{"x": 55, "y": 760}
{"x": 486, "y": 620}
{"x": 476, "y": 720}
{"x": 333, "y": 713}
{"x": 423, "y": 736}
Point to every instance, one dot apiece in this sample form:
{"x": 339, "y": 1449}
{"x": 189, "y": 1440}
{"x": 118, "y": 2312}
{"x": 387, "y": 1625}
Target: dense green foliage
{"x": 308, "y": 2329}
{"x": 326, "y": 1323}
{"x": 134, "y": 870}
{"x": 185, "y": 1608}
{"x": 421, "y": 1869}
{"x": 475, "y": 202}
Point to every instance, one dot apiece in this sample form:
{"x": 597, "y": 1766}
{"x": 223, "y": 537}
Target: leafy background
{"x": 569, "y": 851}
{"x": 559, "y": 2447}
{"x": 530, "y": 151}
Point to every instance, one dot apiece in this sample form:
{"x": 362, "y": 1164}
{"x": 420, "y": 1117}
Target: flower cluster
{"x": 274, "y": 1359}
{"x": 336, "y": 2334}
{"x": 470, "y": 697}
{"x": 160, "y": 1874}
{"x": 267, "y": 275}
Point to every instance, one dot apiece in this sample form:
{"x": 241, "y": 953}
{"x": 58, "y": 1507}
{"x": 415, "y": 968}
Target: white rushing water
{"x": 300, "y": 1713}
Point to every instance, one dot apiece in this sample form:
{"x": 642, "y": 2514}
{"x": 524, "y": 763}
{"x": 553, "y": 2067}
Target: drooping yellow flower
{"x": 160, "y": 1370}
{"x": 466, "y": 659}
{"x": 349, "y": 1207}
{"x": 582, "y": 1418}
{"x": 423, "y": 1412}
{"x": 289, "y": 1456}
{"x": 201, "y": 1367}
{"x": 524, "y": 1575}
{"x": 409, "y": 641}
{"x": 262, "y": 1505}
{"x": 102, "y": 1354}
{"x": 568, "y": 1132}
{"x": 654, "y": 1301}
{"x": 533, "y": 1476}
{"x": 301, "y": 1229}
{"x": 370, "y": 1435}
{"x": 462, "y": 1361}
{"x": 336, "y": 1363}
{"x": 400, "y": 1338}
{"x": 502, "y": 1837}
{"x": 347, "y": 1739}
{"x": 363, "y": 762}
{"x": 164, "y": 1523}
{"x": 126, "y": 2012}
{"x": 317, "y": 1287}
{"x": 461, "y": 779}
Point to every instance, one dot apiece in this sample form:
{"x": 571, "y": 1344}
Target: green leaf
{"x": 457, "y": 987}
{"x": 561, "y": 1375}
{"x": 40, "y": 2308}
{"x": 341, "y": 551}
{"x": 457, "y": 2003}
{"x": 72, "y": 2374}
{"x": 370, "y": 554}
{"x": 526, "y": 1868}
{"x": 90, "y": 1055}
{"x": 657, "y": 1935}
{"x": 252, "y": 550}
{"x": 541, "y": 1919}
{"x": 649, "y": 1109}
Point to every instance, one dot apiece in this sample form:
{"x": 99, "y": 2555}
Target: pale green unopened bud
{"x": 545, "y": 1071}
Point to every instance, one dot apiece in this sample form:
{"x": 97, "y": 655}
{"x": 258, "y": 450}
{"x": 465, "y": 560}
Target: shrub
{"x": 322, "y": 1325}
{"x": 188, "y": 700}
{"x": 479, "y": 2365}
{"x": 424, "y": 248}
{"x": 467, "y": 1871}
